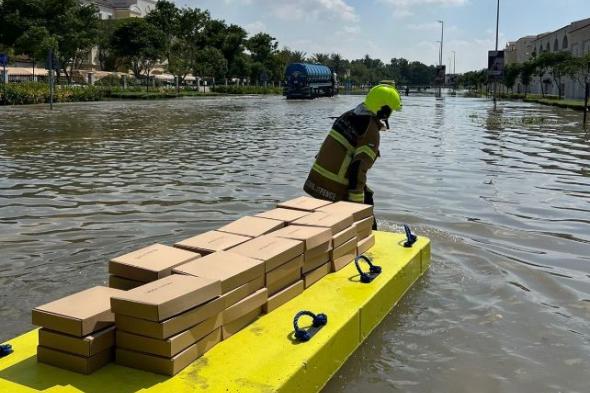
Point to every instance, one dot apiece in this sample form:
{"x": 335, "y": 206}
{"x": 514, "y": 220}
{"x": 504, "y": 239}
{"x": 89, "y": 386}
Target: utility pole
{"x": 586, "y": 95}
{"x": 50, "y": 68}
{"x": 440, "y": 62}
{"x": 497, "y": 33}
{"x": 454, "y": 62}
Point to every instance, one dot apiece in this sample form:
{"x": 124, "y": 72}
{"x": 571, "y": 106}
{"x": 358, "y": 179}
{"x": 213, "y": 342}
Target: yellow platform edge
{"x": 262, "y": 357}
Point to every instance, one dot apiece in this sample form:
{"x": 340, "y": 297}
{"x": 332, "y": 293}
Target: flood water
{"x": 504, "y": 195}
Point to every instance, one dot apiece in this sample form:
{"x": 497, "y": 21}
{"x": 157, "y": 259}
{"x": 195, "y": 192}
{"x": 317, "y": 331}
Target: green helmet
{"x": 382, "y": 100}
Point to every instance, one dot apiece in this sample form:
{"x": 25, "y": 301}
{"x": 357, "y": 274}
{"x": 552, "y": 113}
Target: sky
{"x": 397, "y": 28}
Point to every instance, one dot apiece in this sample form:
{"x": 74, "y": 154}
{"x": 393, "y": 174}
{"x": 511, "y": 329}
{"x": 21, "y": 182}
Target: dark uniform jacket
{"x": 348, "y": 152}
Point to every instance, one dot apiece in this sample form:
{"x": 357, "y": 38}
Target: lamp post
{"x": 587, "y": 93}
{"x": 497, "y": 33}
{"x": 440, "y": 59}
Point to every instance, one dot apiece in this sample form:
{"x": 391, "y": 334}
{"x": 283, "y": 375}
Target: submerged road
{"x": 504, "y": 195}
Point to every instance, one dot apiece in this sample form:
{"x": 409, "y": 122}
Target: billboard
{"x": 495, "y": 65}
{"x": 439, "y": 78}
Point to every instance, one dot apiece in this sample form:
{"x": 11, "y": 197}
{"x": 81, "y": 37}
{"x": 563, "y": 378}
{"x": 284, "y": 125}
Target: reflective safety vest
{"x": 339, "y": 172}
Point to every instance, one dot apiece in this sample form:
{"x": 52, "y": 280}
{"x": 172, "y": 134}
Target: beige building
{"x": 117, "y": 9}
{"x": 574, "y": 38}
{"x": 120, "y": 9}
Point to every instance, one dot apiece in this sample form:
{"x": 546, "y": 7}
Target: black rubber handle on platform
{"x": 319, "y": 321}
{"x": 374, "y": 271}
{"x": 5, "y": 350}
{"x": 410, "y": 237}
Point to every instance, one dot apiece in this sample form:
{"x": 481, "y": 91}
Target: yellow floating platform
{"x": 263, "y": 357}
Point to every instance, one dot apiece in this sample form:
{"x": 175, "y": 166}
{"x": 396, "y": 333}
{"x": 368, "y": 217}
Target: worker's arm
{"x": 363, "y": 159}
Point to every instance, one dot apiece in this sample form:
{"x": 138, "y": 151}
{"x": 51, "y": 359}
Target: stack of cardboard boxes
{"x": 242, "y": 286}
{"x": 167, "y": 324}
{"x": 210, "y": 242}
{"x": 146, "y": 265}
{"x": 78, "y": 332}
{"x": 317, "y": 243}
{"x": 283, "y": 260}
{"x": 363, "y": 222}
{"x": 178, "y": 302}
{"x": 343, "y": 231}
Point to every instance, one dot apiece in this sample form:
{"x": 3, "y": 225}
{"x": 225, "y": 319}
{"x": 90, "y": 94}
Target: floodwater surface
{"x": 504, "y": 195}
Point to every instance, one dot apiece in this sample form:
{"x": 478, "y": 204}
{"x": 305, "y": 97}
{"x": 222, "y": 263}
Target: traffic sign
{"x": 3, "y": 59}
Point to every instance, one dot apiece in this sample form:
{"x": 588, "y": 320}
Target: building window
{"x": 555, "y": 45}
{"x": 565, "y": 43}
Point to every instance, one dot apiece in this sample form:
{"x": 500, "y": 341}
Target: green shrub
{"x": 38, "y": 93}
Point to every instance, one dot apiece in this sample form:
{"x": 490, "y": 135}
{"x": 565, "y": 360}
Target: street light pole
{"x": 442, "y": 39}
{"x": 497, "y": 34}
{"x": 586, "y": 95}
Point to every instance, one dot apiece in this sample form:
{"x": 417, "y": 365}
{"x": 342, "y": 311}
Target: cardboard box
{"x": 363, "y": 235}
{"x": 231, "y": 269}
{"x": 284, "y": 296}
{"x": 150, "y": 263}
{"x": 243, "y": 307}
{"x": 343, "y": 255}
{"x": 284, "y": 275}
{"x": 82, "y": 346}
{"x": 317, "y": 274}
{"x": 365, "y": 245}
{"x": 344, "y": 236}
{"x": 229, "y": 329}
{"x": 210, "y": 242}
{"x": 335, "y": 222}
{"x": 79, "y": 314}
{"x": 274, "y": 251}
{"x": 314, "y": 263}
{"x": 346, "y": 248}
{"x": 171, "y": 346}
{"x": 162, "y": 299}
{"x": 316, "y": 252}
{"x": 243, "y": 292}
{"x": 170, "y": 327}
{"x": 123, "y": 284}
{"x": 343, "y": 261}
{"x": 311, "y": 237}
{"x": 286, "y": 215}
{"x": 365, "y": 225}
{"x": 358, "y": 211}
{"x": 304, "y": 203}
{"x": 79, "y": 364}
{"x": 252, "y": 226}
{"x": 168, "y": 366}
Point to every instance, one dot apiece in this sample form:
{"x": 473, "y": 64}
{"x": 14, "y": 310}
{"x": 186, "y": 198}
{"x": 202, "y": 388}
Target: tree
{"x": 577, "y": 68}
{"x": 141, "y": 44}
{"x": 74, "y": 27}
{"x": 69, "y": 26}
{"x": 166, "y": 18}
{"x": 511, "y": 74}
{"x": 107, "y": 58}
{"x": 210, "y": 62}
{"x": 527, "y": 71}
{"x": 35, "y": 42}
{"x": 320, "y": 58}
{"x": 233, "y": 49}
{"x": 190, "y": 39}
{"x": 262, "y": 48}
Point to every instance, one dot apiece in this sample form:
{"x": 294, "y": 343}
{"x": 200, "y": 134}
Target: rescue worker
{"x": 351, "y": 148}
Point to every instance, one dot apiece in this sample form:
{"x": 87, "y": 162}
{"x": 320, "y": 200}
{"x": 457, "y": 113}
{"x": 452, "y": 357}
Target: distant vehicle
{"x": 304, "y": 80}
